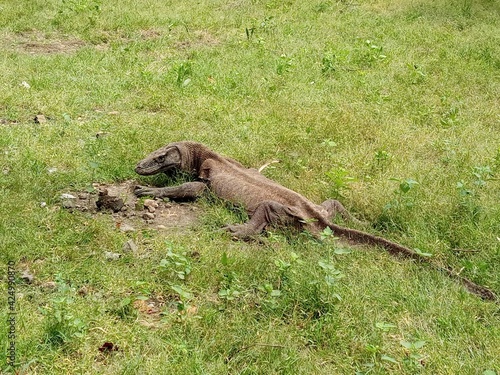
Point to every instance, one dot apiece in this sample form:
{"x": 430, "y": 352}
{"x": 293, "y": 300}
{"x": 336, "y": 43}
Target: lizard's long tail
{"x": 397, "y": 249}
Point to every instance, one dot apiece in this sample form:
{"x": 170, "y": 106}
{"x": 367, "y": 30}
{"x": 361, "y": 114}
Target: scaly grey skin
{"x": 266, "y": 201}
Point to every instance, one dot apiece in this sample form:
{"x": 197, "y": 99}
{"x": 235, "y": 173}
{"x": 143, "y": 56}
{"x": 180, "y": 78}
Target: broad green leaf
{"x": 421, "y": 253}
{"x": 388, "y": 359}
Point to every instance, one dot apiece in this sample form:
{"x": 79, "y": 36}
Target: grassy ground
{"x": 392, "y": 107}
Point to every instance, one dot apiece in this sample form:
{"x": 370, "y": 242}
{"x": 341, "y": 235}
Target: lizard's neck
{"x": 193, "y": 156}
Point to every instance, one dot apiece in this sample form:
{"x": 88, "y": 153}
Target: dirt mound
{"x": 130, "y": 212}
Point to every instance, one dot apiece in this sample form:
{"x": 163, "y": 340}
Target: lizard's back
{"x": 246, "y": 186}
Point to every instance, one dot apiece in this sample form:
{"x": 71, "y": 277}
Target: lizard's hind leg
{"x": 267, "y": 212}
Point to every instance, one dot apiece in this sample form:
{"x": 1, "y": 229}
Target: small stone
{"x": 106, "y": 201}
{"x": 161, "y": 227}
{"x": 130, "y": 246}
{"x": 151, "y": 205}
{"x": 67, "y": 196}
{"x": 27, "y": 276}
{"x": 101, "y": 134}
{"x": 68, "y": 200}
{"x": 111, "y": 256}
{"x": 49, "y": 285}
{"x": 126, "y": 228}
{"x": 148, "y": 216}
{"x": 52, "y": 170}
{"x": 25, "y": 84}
{"x": 40, "y": 119}
{"x": 83, "y": 291}
{"x": 43, "y": 204}
{"x": 69, "y": 203}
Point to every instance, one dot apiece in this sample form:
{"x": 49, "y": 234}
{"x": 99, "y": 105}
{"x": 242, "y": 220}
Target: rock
{"x": 68, "y": 200}
{"x": 49, "y": 285}
{"x": 111, "y": 256}
{"x": 101, "y": 134}
{"x": 83, "y": 291}
{"x": 67, "y": 196}
{"x": 27, "y": 276}
{"x": 130, "y": 246}
{"x": 124, "y": 227}
{"x": 148, "y": 216}
{"x": 106, "y": 201}
{"x": 151, "y": 205}
{"x": 161, "y": 227}
{"x": 40, "y": 119}
{"x": 43, "y": 204}
{"x": 69, "y": 203}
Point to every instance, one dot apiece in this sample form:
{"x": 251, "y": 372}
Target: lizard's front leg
{"x": 188, "y": 190}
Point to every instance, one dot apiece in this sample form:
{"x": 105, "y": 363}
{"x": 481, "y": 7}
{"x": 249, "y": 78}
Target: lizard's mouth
{"x": 148, "y": 170}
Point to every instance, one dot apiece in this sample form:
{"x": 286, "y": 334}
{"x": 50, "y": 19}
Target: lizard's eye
{"x": 160, "y": 159}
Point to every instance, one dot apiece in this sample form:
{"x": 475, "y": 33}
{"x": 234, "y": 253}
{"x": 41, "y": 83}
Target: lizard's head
{"x": 162, "y": 160}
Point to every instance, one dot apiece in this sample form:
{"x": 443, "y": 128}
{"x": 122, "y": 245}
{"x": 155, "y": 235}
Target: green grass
{"x": 356, "y": 99}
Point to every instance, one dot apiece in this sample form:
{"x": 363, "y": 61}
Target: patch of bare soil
{"x": 128, "y": 211}
{"x": 199, "y": 38}
{"x": 36, "y": 42}
{"x": 150, "y": 34}
{"x": 6, "y": 121}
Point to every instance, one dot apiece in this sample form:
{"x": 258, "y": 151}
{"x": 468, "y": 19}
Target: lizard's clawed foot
{"x": 142, "y": 191}
{"x": 241, "y": 231}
